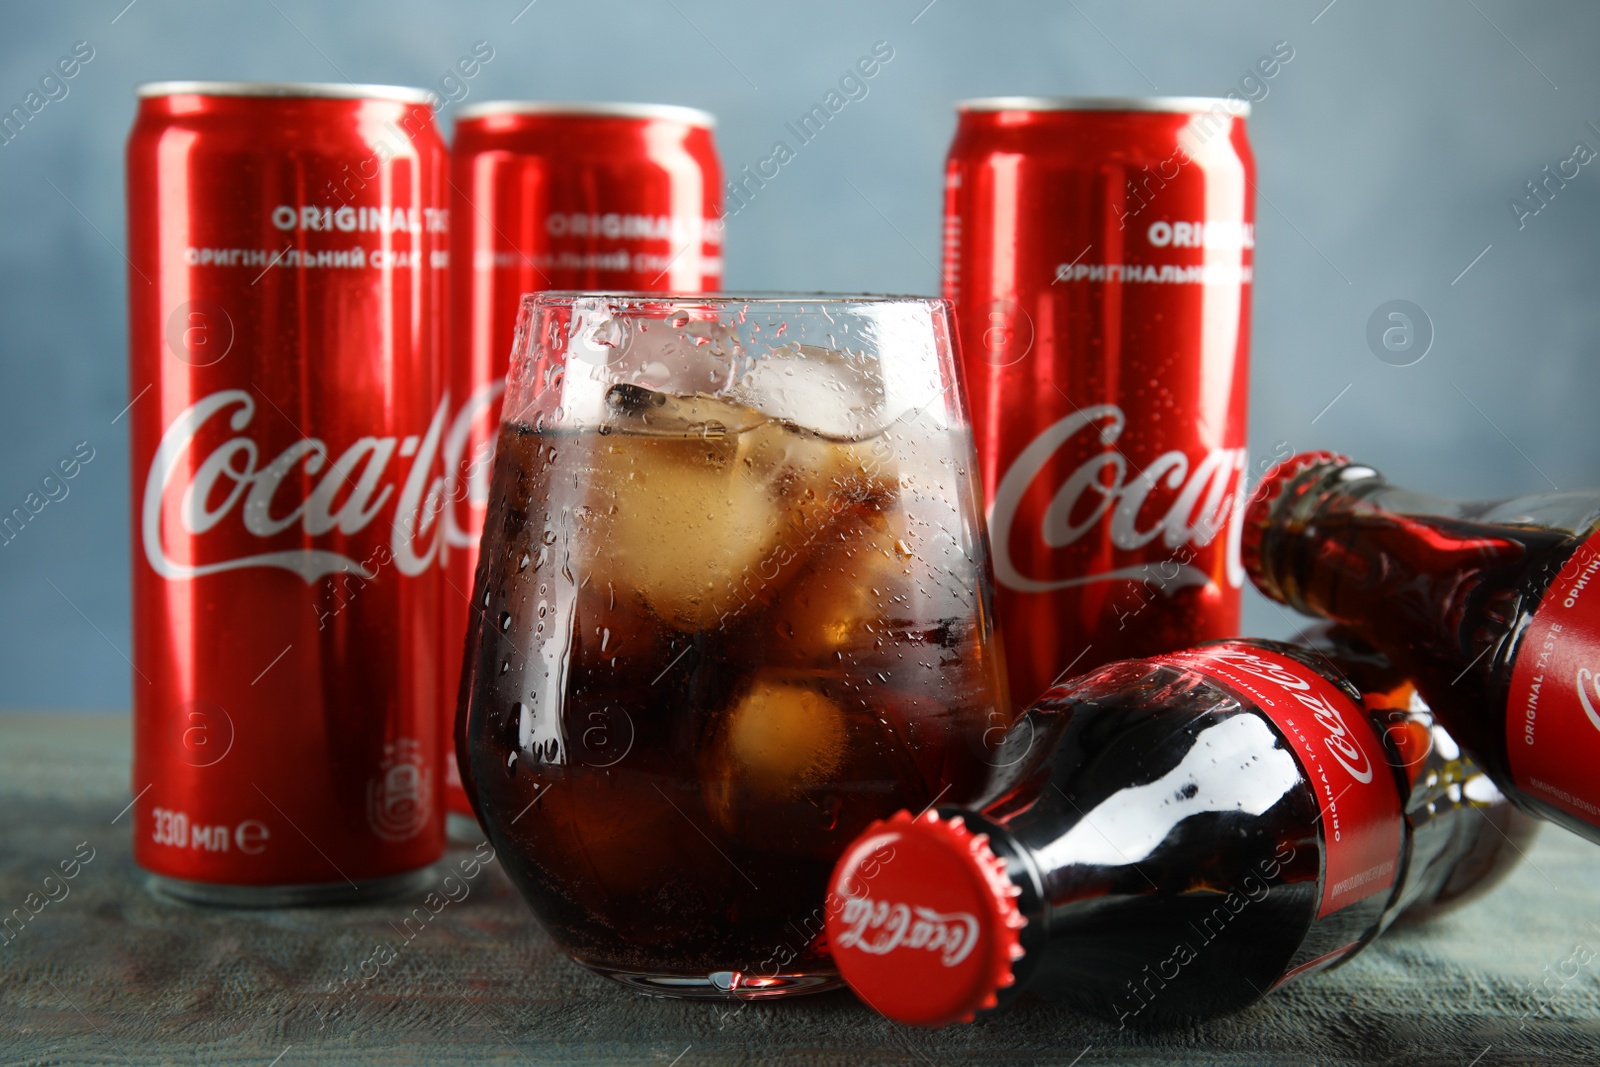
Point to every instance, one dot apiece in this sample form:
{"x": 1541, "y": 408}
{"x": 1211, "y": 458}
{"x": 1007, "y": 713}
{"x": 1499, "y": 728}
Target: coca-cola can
{"x": 1099, "y": 253}
{"x": 595, "y": 196}
{"x": 288, "y": 252}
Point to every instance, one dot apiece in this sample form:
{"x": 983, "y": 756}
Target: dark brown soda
{"x": 614, "y": 808}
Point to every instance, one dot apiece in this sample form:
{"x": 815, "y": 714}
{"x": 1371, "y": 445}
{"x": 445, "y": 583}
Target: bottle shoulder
{"x": 1505, "y": 614}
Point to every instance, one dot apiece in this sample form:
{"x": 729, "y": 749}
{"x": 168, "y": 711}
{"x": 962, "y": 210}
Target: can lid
{"x": 315, "y": 90}
{"x": 1183, "y": 105}
{"x": 689, "y": 116}
{"x": 923, "y": 920}
{"x": 1259, "y": 510}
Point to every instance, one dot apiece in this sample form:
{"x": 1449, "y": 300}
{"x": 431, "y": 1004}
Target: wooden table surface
{"x": 110, "y": 974}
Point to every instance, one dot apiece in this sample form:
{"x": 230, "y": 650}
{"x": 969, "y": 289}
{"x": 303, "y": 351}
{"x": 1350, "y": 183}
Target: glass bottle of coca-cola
{"x": 1164, "y": 841}
{"x": 1483, "y": 604}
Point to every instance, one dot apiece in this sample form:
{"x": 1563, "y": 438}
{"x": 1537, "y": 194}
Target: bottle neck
{"x": 1023, "y": 870}
{"x": 1339, "y": 542}
{"x": 1312, "y": 541}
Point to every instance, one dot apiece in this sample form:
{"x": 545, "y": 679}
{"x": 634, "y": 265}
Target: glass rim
{"x": 637, "y": 297}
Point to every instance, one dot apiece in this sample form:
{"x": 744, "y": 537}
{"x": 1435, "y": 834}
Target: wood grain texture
{"x": 110, "y": 974}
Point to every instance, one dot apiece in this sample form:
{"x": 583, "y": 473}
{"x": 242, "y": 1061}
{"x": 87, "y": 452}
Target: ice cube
{"x": 704, "y": 506}
{"x": 803, "y": 760}
{"x": 891, "y": 572}
{"x": 839, "y": 398}
{"x": 853, "y": 590}
{"x": 822, "y": 390}
{"x": 783, "y": 736}
{"x": 780, "y": 738}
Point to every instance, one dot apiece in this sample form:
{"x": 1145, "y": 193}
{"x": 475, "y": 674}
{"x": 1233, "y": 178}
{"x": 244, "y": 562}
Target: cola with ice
{"x": 721, "y": 633}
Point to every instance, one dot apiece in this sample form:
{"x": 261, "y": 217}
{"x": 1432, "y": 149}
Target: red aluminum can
{"x": 556, "y": 196}
{"x": 287, "y": 248}
{"x": 1099, "y": 254}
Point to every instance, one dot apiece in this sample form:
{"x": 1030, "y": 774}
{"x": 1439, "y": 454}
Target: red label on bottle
{"x": 1553, "y": 710}
{"x": 1340, "y": 752}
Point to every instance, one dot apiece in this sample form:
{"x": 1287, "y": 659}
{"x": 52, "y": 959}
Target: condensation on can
{"x": 288, "y": 255}
{"x": 1100, "y": 256}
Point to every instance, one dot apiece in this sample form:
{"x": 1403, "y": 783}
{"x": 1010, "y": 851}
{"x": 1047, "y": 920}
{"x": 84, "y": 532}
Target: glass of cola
{"x": 733, "y": 604}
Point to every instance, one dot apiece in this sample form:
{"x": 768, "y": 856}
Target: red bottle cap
{"x": 1263, "y": 502}
{"x": 923, "y": 921}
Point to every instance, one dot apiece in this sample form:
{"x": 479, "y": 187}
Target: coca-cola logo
{"x": 1205, "y": 499}
{"x": 1337, "y": 736}
{"x": 349, "y": 494}
{"x": 878, "y": 928}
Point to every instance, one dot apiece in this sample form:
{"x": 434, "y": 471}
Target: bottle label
{"x": 1553, "y": 709}
{"x": 1339, "y": 750}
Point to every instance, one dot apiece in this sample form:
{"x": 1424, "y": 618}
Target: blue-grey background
{"x": 1388, "y": 149}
